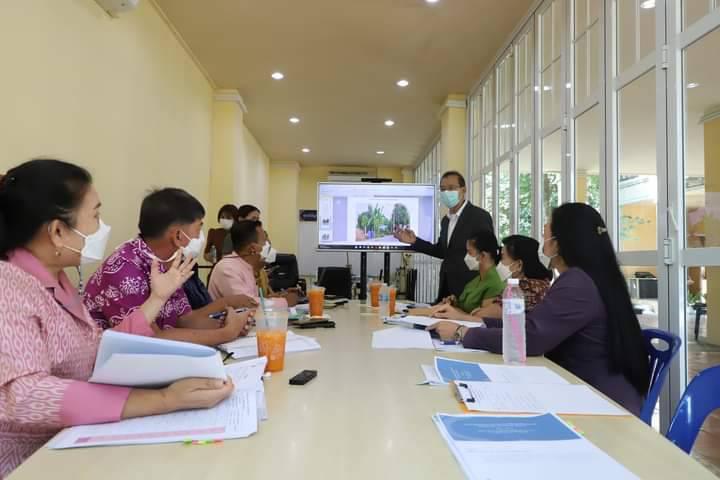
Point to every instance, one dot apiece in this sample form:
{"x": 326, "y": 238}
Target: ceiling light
{"x": 432, "y": 1}
{"x": 294, "y": 120}
{"x": 647, "y": 4}
{"x": 277, "y": 76}
{"x": 380, "y": 152}
{"x": 389, "y": 123}
{"x": 305, "y": 150}
{"x": 692, "y": 85}
{"x": 568, "y": 85}
{"x": 402, "y": 83}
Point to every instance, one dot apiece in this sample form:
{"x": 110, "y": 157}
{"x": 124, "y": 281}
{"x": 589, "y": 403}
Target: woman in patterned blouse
{"x": 49, "y": 221}
{"x": 519, "y": 260}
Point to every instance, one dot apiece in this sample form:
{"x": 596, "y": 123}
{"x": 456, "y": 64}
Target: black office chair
{"x": 336, "y": 280}
{"x": 284, "y": 273}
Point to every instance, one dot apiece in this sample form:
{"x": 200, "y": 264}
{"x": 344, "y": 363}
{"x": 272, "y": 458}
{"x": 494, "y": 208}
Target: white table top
{"x": 363, "y": 417}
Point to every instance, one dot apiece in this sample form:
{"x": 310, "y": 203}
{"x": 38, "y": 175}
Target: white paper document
{"x": 534, "y": 398}
{"x": 453, "y": 347}
{"x": 137, "y": 361}
{"x": 235, "y": 417}
{"x": 246, "y": 347}
{"x": 490, "y": 447}
{"x": 449, "y": 369}
{"x": 401, "y": 337}
{"x": 413, "y": 321}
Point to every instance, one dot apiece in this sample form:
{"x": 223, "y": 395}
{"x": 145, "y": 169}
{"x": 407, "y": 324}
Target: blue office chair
{"x": 699, "y": 400}
{"x": 659, "y": 366}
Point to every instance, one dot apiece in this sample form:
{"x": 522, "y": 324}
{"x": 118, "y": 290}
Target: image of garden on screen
{"x": 363, "y": 216}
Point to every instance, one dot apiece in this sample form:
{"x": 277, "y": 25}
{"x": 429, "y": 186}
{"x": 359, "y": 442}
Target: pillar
{"x": 284, "y": 213}
{"x": 227, "y": 154}
{"x": 711, "y": 125}
{"x": 453, "y": 136}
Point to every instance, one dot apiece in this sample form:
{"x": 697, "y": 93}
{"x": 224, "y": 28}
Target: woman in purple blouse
{"x": 586, "y": 323}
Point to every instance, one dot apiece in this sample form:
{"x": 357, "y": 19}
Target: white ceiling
{"x": 341, "y": 59}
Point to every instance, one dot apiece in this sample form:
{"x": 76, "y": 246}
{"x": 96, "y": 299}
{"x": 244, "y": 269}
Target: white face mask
{"x": 94, "y": 249}
{"x": 544, "y": 259}
{"x": 268, "y": 254}
{"x": 194, "y": 248}
{"x": 226, "y": 223}
{"x": 504, "y": 271}
{"x": 472, "y": 262}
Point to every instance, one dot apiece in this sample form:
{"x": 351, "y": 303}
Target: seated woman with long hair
{"x": 586, "y": 323}
{"x": 519, "y": 260}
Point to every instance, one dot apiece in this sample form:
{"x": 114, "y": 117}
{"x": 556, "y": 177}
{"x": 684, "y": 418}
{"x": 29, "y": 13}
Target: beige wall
{"x": 283, "y": 219}
{"x": 121, "y": 97}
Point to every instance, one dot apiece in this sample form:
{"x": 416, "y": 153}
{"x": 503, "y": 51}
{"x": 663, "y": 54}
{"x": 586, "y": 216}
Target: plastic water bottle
{"x": 384, "y": 298}
{"x": 213, "y": 255}
{"x": 514, "y": 347}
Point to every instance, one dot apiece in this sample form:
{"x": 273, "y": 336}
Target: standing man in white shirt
{"x": 463, "y": 221}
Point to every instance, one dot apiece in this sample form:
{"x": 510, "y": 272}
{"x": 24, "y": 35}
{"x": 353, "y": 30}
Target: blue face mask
{"x": 450, "y": 198}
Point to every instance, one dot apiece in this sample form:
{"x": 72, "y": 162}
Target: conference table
{"x": 363, "y": 417}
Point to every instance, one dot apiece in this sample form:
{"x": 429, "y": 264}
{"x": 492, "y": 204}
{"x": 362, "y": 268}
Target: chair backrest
{"x": 659, "y": 366}
{"x": 284, "y": 272}
{"x": 699, "y": 400}
{"x": 336, "y": 280}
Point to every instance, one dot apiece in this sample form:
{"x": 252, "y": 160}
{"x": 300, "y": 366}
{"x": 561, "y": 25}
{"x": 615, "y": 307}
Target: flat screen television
{"x": 363, "y": 216}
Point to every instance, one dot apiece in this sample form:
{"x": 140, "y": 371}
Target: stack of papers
{"x": 400, "y": 337}
{"x": 246, "y": 347}
{"x": 235, "y": 417}
{"x": 534, "y": 398}
{"x": 137, "y": 361}
{"x": 517, "y": 447}
{"x": 446, "y": 370}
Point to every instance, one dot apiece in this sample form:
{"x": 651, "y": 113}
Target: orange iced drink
{"x": 375, "y": 294}
{"x": 271, "y": 344}
{"x": 316, "y": 296}
{"x": 392, "y": 293}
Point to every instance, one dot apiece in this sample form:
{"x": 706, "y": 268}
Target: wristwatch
{"x": 459, "y": 334}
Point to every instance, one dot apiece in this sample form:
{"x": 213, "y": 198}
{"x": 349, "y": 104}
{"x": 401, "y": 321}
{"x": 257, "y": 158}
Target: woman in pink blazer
{"x": 49, "y": 221}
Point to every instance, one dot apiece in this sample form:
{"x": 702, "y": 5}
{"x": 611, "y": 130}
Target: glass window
{"x": 702, "y": 318}
{"x": 635, "y": 31}
{"x": 475, "y": 119}
{"x": 523, "y": 55}
{"x": 525, "y": 192}
{"x": 637, "y": 185}
{"x": 488, "y": 121}
{"x": 702, "y": 143}
{"x": 504, "y": 200}
{"x": 488, "y": 192}
{"x": 587, "y": 157}
{"x": 476, "y": 192}
{"x": 552, "y": 28}
{"x": 505, "y": 121}
{"x": 587, "y": 43}
{"x": 694, "y": 10}
{"x": 552, "y": 173}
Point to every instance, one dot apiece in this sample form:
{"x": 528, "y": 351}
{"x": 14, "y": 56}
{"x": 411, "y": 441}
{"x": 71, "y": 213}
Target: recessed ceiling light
{"x": 294, "y": 120}
{"x": 432, "y": 1}
{"x": 277, "y": 76}
{"x": 380, "y": 152}
{"x": 402, "y": 83}
{"x": 305, "y": 150}
{"x": 389, "y": 123}
{"x": 647, "y": 4}
{"x": 692, "y": 85}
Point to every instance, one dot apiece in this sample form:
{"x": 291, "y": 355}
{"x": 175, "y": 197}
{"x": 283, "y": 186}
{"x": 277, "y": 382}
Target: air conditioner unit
{"x": 114, "y": 7}
{"x": 356, "y": 176}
